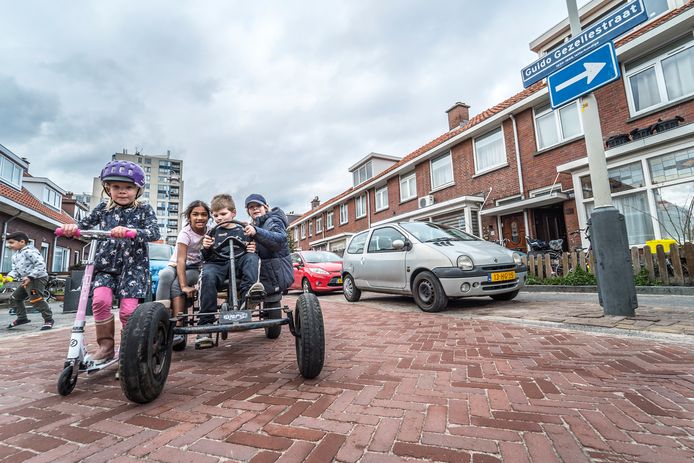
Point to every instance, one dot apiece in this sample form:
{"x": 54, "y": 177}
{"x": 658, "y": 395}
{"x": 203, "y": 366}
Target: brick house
{"x": 34, "y": 205}
{"x": 520, "y": 168}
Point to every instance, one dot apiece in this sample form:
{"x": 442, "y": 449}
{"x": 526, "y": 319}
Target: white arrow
{"x": 592, "y": 70}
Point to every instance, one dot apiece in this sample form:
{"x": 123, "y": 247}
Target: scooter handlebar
{"x": 128, "y": 234}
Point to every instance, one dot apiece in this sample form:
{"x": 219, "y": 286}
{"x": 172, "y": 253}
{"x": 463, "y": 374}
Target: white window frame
{"x": 319, "y": 225}
{"x": 344, "y": 213}
{"x": 557, "y": 124}
{"x": 330, "y": 220}
{"x": 381, "y": 196}
{"x": 303, "y": 230}
{"x": 16, "y": 172}
{"x": 51, "y": 198}
{"x": 310, "y": 228}
{"x": 360, "y": 206}
{"x": 657, "y": 64}
{"x": 503, "y": 162}
{"x": 405, "y": 180}
{"x": 296, "y": 233}
{"x": 449, "y": 166}
{"x": 65, "y": 256}
{"x": 362, "y": 174}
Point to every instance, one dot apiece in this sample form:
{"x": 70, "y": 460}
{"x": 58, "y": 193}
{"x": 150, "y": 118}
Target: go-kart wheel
{"x": 273, "y": 332}
{"x": 145, "y": 353}
{"x": 310, "y": 339}
{"x": 66, "y": 383}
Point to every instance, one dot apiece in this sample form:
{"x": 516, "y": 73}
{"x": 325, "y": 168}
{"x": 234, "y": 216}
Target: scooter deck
{"x": 94, "y": 368}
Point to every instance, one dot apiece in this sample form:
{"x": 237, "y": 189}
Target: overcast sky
{"x": 276, "y": 97}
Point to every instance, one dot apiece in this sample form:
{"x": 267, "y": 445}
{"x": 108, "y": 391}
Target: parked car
{"x": 317, "y": 271}
{"x": 432, "y": 262}
{"x": 159, "y": 255}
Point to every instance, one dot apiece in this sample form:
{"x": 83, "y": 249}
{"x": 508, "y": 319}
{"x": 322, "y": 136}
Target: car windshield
{"x": 430, "y": 232}
{"x": 159, "y": 251}
{"x": 317, "y": 257}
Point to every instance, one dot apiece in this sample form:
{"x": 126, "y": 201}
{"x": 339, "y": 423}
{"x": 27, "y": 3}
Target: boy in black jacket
{"x": 215, "y": 268}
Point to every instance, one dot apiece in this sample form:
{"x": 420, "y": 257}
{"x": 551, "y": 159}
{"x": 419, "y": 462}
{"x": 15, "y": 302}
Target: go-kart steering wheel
{"x": 217, "y": 247}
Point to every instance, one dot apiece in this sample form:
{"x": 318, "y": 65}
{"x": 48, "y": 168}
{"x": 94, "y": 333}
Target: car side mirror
{"x": 399, "y": 245}
{"x": 296, "y": 264}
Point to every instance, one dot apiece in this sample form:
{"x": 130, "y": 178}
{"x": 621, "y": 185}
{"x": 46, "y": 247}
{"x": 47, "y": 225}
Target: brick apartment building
{"x": 34, "y": 205}
{"x": 520, "y": 168}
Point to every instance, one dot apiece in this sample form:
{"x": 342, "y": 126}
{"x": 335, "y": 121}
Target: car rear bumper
{"x": 481, "y": 285}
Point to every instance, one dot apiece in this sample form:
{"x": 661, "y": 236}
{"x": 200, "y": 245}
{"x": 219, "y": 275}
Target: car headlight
{"x": 517, "y": 258}
{"x": 319, "y": 271}
{"x": 465, "y": 263}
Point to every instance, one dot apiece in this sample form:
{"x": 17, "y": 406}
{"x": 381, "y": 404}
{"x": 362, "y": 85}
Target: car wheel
{"x": 504, "y": 296}
{"x": 349, "y": 289}
{"x": 428, "y": 293}
{"x": 306, "y": 286}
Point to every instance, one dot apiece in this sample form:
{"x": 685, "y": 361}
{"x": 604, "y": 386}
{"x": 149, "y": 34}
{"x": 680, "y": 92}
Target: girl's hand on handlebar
{"x": 207, "y": 241}
{"x": 69, "y": 229}
{"x": 120, "y": 232}
{"x": 249, "y": 230}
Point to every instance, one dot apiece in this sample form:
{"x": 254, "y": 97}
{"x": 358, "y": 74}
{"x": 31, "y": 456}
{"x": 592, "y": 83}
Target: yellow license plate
{"x": 503, "y": 276}
{"x": 339, "y": 280}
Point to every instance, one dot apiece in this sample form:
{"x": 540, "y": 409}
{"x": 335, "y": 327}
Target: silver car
{"x": 430, "y": 261}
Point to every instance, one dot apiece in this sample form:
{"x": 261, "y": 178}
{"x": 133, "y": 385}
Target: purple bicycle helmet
{"x": 123, "y": 171}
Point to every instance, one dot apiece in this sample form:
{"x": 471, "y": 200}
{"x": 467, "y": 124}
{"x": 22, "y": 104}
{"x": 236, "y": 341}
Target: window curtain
{"x": 644, "y": 89}
{"x": 679, "y": 74}
{"x": 489, "y": 151}
{"x": 636, "y": 214}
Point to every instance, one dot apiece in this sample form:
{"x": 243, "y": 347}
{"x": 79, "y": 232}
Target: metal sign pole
{"x": 616, "y": 289}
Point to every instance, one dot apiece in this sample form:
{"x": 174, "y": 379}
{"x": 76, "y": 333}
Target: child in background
{"x": 269, "y": 230}
{"x": 186, "y": 261}
{"x": 121, "y": 265}
{"x": 29, "y": 267}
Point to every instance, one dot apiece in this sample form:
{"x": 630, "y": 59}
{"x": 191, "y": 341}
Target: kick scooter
{"x": 77, "y": 360}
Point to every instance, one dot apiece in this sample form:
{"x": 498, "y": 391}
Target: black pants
{"x": 212, "y": 279}
{"x": 34, "y": 291}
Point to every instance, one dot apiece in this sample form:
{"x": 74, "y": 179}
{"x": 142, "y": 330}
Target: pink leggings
{"x": 102, "y": 301}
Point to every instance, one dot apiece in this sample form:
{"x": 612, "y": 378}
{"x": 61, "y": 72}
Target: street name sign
{"x": 612, "y": 25}
{"x": 592, "y": 71}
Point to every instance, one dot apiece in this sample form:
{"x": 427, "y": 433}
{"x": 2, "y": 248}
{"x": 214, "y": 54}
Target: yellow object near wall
{"x": 652, "y": 244}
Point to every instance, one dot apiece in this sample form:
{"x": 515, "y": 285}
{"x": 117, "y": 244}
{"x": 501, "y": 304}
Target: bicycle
{"x": 587, "y": 251}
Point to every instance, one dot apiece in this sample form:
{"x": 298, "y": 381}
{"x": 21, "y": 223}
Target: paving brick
{"x": 174, "y": 455}
{"x": 355, "y": 444}
{"x": 223, "y": 449}
{"x": 293, "y": 432}
{"x": 77, "y": 434}
{"x": 430, "y": 453}
{"x": 540, "y": 448}
{"x": 259, "y": 441}
{"x": 385, "y": 434}
{"x": 150, "y": 422}
{"x": 327, "y": 449}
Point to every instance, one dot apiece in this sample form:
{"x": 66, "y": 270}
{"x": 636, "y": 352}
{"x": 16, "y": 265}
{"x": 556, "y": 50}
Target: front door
{"x": 385, "y": 265}
{"x": 513, "y": 231}
{"x": 549, "y": 223}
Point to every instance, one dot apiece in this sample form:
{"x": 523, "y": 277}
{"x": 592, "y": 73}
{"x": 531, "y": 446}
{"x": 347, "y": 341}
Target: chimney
{"x": 458, "y": 115}
{"x": 315, "y": 202}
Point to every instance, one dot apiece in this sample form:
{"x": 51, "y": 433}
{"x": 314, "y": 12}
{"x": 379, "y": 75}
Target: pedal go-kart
{"x": 146, "y": 345}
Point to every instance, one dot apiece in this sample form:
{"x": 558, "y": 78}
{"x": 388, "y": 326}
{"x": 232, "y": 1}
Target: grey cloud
{"x": 24, "y": 110}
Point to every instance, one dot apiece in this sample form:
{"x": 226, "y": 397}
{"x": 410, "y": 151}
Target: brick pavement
{"x": 398, "y": 385}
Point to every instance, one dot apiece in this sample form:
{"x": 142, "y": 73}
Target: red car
{"x": 317, "y": 271}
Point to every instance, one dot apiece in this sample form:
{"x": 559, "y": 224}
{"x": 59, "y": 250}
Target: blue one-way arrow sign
{"x": 583, "y": 76}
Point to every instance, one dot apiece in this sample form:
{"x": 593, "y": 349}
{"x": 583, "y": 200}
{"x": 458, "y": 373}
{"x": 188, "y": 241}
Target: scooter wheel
{"x": 66, "y": 384}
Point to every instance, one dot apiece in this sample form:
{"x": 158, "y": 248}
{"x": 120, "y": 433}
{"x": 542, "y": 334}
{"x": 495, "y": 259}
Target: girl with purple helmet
{"x": 121, "y": 265}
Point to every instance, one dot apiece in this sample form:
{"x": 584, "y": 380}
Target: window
{"x": 44, "y": 251}
{"x": 363, "y": 173}
{"x": 672, "y": 166}
{"x": 382, "y": 198}
{"x": 329, "y": 220}
{"x": 51, "y": 197}
{"x": 554, "y": 127}
{"x": 675, "y": 207}
{"x": 408, "y": 187}
{"x": 61, "y": 259}
{"x": 356, "y": 246}
{"x": 10, "y": 172}
{"x": 303, "y": 230}
{"x": 296, "y": 234}
{"x": 360, "y": 206}
{"x": 635, "y": 209}
{"x": 490, "y": 151}
{"x": 344, "y": 214}
{"x": 319, "y": 224}
{"x": 661, "y": 77}
{"x": 382, "y": 239}
{"x": 655, "y": 7}
{"x": 310, "y": 228}
{"x": 622, "y": 178}
{"x": 441, "y": 171}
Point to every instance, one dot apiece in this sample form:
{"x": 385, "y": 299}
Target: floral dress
{"x": 123, "y": 264}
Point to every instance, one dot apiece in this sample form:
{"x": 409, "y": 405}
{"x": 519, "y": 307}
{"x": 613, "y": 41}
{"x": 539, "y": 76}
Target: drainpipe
{"x": 4, "y": 233}
{"x": 521, "y": 188}
{"x": 55, "y": 250}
